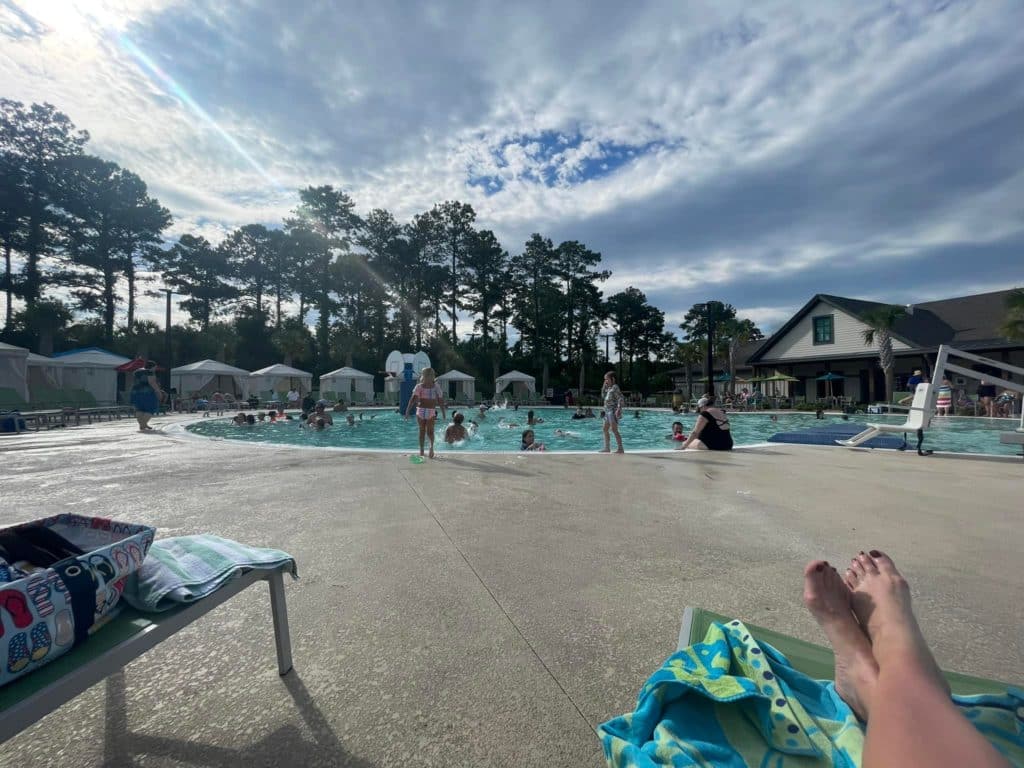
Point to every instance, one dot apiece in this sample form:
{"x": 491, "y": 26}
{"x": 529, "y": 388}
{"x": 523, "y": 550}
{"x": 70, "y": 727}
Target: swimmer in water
{"x": 677, "y": 432}
{"x": 529, "y": 444}
{"x": 456, "y": 432}
{"x": 531, "y": 419}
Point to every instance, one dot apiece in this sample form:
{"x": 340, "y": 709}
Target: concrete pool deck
{"x": 490, "y": 610}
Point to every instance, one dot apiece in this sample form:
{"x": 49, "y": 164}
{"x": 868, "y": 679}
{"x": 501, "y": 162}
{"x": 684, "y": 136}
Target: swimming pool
{"x": 385, "y": 430}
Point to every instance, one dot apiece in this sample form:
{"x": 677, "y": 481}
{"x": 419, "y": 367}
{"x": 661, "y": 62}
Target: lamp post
{"x": 167, "y": 338}
{"x": 607, "y": 348}
{"x": 709, "y": 363}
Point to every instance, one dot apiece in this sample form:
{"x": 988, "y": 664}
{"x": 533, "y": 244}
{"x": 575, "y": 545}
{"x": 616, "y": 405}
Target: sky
{"x": 709, "y": 150}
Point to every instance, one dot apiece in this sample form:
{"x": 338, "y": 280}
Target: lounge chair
{"x": 813, "y": 660}
{"x": 121, "y": 641}
{"x": 917, "y": 421}
{"x": 10, "y": 401}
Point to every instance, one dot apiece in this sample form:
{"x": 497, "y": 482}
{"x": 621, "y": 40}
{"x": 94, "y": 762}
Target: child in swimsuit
{"x": 428, "y": 400}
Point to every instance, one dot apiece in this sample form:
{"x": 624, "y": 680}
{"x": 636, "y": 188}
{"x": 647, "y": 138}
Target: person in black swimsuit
{"x": 987, "y": 394}
{"x": 711, "y": 432}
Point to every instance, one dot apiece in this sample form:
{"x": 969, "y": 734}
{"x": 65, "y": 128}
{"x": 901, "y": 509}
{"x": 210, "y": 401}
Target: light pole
{"x": 167, "y": 338}
{"x": 709, "y": 363}
{"x": 607, "y": 348}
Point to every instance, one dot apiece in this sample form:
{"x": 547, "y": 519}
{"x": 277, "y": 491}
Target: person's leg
{"x": 828, "y": 599}
{"x": 423, "y": 432}
{"x": 430, "y": 434}
{"x": 607, "y": 439}
{"x": 912, "y": 721}
{"x": 142, "y": 418}
{"x": 618, "y": 437}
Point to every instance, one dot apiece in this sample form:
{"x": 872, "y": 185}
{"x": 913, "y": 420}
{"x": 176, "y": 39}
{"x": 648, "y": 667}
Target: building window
{"x": 824, "y": 330}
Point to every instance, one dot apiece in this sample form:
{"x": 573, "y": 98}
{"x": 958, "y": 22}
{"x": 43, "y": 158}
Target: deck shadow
{"x": 287, "y": 745}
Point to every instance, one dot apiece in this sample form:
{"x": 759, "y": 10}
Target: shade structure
{"x": 348, "y": 384}
{"x": 14, "y": 369}
{"x": 208, "y": 376}
{"x": 461, "y": 384}
{"x": 92, "y": 369}
{"x": 279, "y": 379}
{"x": 44, "y": 373}
{"x": 520, "y": 383}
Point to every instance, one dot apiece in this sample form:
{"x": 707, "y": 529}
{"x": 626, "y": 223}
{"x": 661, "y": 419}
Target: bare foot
{"x": 828, "y": 600}
{"x": 620, "y": 451}
{"x": 880, "y": 598}
{"x": 605, "y": 450}
{"x": 431, "y": 454}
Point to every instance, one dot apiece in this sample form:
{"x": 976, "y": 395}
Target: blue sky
{"x": 756, "y": 155}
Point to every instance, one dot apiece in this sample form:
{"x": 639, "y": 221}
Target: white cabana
{"x": 92, "y": 369}
{"x": 521, "y": 384}
{"x": 208, "y": 376}
{"x": 348, "y": 384}
{"x": 44, "y": 373}
{"x": 14, "y": 369}
{"x": 279, "y": 379}
{"x": 459, "y": 386}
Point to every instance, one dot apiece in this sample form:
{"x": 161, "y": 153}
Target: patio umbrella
{"x": 830, "y": 377}
{"x": 780, "y": 377}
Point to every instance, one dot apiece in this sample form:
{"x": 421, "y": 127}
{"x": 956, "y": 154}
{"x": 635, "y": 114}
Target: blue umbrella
{"x": 830, "y": 377}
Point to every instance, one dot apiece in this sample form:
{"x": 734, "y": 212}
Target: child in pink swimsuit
{"x": 428, "y": 399}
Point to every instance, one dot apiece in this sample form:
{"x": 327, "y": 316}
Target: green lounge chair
{"x": 10, "y": 400}
{"x": 813, "y": 660}
{"x": 122, "y": 640}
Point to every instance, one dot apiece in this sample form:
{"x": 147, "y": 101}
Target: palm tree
{"x": 689, "y": 354}
{"x": 292, "y": 339}
{"x": 1013, "y": 324}
{"x": 738, "y": 332}
{"x": 46, "y": 319}
{"x": 880, "y": 322}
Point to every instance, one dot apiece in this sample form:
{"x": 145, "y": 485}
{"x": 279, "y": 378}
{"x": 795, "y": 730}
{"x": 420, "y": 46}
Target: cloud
{"x": 756, "y": 155}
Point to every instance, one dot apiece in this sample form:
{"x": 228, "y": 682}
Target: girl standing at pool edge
{"x": 613, "y": 402}
{"x": 428, "y": 399}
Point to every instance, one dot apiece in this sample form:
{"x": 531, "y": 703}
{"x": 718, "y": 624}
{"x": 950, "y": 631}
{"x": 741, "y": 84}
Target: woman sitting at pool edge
{"x": 712, "y": 430}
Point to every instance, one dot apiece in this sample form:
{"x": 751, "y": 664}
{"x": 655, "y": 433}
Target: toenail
{"x": 874, "y": 553}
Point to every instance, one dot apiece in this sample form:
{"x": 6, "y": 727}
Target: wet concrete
{"x": 491, "y": 610}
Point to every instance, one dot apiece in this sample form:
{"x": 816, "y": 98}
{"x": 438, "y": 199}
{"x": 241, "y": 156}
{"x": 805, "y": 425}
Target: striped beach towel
{"x": 183, "y": 569}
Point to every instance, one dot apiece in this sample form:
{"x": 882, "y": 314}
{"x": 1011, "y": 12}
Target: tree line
{"x": 369, "y": 283}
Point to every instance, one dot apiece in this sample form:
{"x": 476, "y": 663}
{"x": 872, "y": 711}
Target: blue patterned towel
{"x": 183, "y": 569}
{"x": 733, "y": 702}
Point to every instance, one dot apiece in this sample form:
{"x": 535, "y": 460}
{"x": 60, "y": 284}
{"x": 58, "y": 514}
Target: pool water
{"x": 381, "y": 429}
